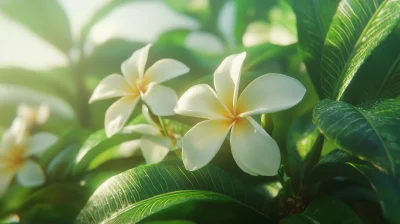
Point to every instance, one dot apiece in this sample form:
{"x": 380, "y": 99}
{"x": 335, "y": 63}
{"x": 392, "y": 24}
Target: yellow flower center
{"x": 15, "y": 158}
{"x": 141, "y": 85}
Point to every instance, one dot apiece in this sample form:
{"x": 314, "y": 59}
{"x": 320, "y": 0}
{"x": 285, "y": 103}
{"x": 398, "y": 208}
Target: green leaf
{"x": 260, "y": 54}
{"x": 169, "y": 222}
{"x": 174, "y": 37}
{"x": 121, "y": 192}
{"x": 379, "y": 76}
{"x": 357, "y": 28}
{"x": 324, "y": 210}
{"x": 58, "y": 203}
{"x": 369, "y": 131}
{"x": 92, "y": 179}
{"x": 313, "y": 20}
{"x": 303, "y": 148}
{"x": 386, "y": 188}
{"x": 56, "y": 82}
{"x": 46, "y": 18}
{"x": 60, "y": 167}
{"x": 194, "y": 205}
{"x": 98, "y": 142}
{"x": 99, "y": 15}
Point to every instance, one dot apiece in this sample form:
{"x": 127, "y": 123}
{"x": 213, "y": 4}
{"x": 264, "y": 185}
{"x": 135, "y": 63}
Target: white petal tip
{"x": 109, "y": 134}
{"x": 191, "y": 167}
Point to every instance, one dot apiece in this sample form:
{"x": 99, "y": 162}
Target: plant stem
{"x": 83, "y": 97}
{"x": 162, "y": 126}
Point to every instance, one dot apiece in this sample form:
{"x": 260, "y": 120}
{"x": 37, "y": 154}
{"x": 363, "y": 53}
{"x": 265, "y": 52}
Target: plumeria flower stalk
{"x": 136, "y": 84}
{"x": 253, "y": 149}
{"x": 155, "y": 142}
{"x": 17, "y": 148}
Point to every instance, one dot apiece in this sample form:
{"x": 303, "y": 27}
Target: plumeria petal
{"x": 133, "y": 67}
{"x": 118, "y": 114}
{"x": 39, "y": 143}
{"x": 30, "y": 174}
{"x": 154, "y": 149}
{"x": 17, "y": 133}
{"x": 129, "y": 148}
{"x": 201, "y": 101}
{"x": 43, "y": 113}
{"x": 7, "y": 142}
{"x": 111, "y": 86}
{"x": 227, "y": 77}
{"x": 270, "y": 93}
{"x": 27, "y": 113}
{"x": 241, "y": 164}
{"x": 165, "y": 69}
{"x": 5, "y": 180}
{"x": 144, "y": 129}
{"x": 254, "y": 148}
{"x": 202, "y": 142}
{"x": 160, "y": 99}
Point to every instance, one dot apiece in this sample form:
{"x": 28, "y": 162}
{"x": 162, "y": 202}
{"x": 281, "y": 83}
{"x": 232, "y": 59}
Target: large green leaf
{"x": 303, "y": 148}
{"x": 324, "y": 211}
{"x": 313, "y": 21}
{"x": 194, "y": 205}
{"x": 357, "y": 28}
{"x": 121, "y": 192}
{"x": 379, "y": 76}
{"x": 46, "y": 18}
{"x": 386, "y": 188}
{"x": 370, "y": 131}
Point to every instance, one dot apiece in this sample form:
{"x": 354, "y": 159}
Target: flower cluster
{"x": 253, "y": 149}
{"x": 19, "y": 146}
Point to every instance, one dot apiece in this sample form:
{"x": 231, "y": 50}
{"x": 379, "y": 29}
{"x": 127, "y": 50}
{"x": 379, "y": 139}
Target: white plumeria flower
{"x": 253, "y": 149}
{"x": 16, "y": 150}
{"x": 135, "y": 84}
{"x": 33, "y": 115}
{"x": 153, "y": 144}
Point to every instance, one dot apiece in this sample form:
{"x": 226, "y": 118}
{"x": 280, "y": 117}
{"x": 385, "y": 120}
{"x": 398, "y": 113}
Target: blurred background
{"x": 56, "y": 52}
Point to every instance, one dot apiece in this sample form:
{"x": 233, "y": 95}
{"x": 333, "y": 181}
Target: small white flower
{"x": 16, "y": 150}
{"x": 135, "y": 84}
{"x": 33, "y": 115}
{"x": 153, "y": 144}
{"x": 253, "y": 149}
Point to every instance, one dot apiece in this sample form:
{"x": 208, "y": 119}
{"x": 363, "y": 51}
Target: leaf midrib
{"x": 391, "y": 70}
{"x": 392, "y": 165}
{"x": 319, "y": 19}
{"x": 353, "y": 51}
